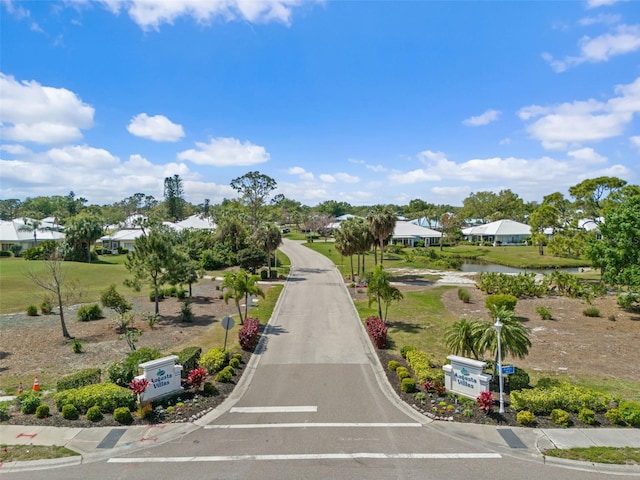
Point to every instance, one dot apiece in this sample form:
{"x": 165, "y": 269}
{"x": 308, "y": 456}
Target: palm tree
{"x": 514, "y": 336}
{"x": 380, "y": 290}
{"x": 31, "y": 225}
{"x": 461, "y": 338}
{"x": 345, "y": 247}
{"x": 268, "y": 238}
{"x": 382, "y": 222}
{"x": 240, "y": 285}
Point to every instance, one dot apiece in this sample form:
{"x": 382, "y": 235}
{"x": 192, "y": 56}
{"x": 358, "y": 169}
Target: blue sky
{"x": 365, "y": 102}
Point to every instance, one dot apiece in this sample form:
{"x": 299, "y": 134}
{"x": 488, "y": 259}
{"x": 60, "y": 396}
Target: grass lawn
{"x": 18, "y": 291}
{"x": 514, "y": 256}
{"x": 22, "y": 453}
{"x": 610, "y": 455}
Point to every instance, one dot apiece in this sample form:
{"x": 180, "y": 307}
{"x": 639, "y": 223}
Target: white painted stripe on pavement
{"x": 281, "y": 409}
{"x": 310, "y": 456}
{"x": 315, "y": 425}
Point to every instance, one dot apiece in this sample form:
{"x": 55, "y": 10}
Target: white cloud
{"x": 376, "y": 168}
{"x": 17, "y": 11}
{"x": 606, "y": 18}
{"x": 296, "y": 171}
{"x": 587, "y": 155}
{"x": 625, "y": 39}
{"x": 482, "y": 119}
{"x": 151, "y": 14}
{"x": 414, "y": 176}
{"x": 583, "y": 121}
{"x": 158, "y": 128}
{"x": 635, "y": 141}
{"x": 15, "y": 149}
{"x": 346, "y": 178}
{"x": 225, "y": 152}
{"x": 600, "y": 3}
{"x": 30, "y": 112}
{"x": 505, "y": 141}
{"x": 325, "y": 177}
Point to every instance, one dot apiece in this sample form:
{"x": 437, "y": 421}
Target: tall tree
{"x": 9, "y": 208}
{"x": 80, "y": 234}
{"x": 382, "y": 222}
{"x": 268, "y": 238}
{"x": 380, "y": 290}
{"x": 254, "y": 188}
{"x": 592, "y": 194}
{"x": 174, "y": 197}
{"x": 54, "y": 281}
{"x": 345, "y": 246}
{"x": 239, "y": 285}
{"x": 152, "y": 261}
{"x": 514, "y": 336}
{"x": 31, "y": 225}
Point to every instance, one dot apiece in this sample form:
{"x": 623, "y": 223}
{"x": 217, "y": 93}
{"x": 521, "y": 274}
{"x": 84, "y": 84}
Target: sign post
{"x": 227, "y": 324}
{"x": 508, "y": 370}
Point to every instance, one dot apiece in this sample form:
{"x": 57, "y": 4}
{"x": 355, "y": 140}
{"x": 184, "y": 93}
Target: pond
{"x": 475, "y": 266}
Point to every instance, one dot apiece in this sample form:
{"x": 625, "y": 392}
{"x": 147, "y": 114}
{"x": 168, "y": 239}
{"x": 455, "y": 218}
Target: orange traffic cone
{"x": 36, "y": 384}
{"x": 20, "y": 389}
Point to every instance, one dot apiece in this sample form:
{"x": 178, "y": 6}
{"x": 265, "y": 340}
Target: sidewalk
{"x": 101, "y": 443}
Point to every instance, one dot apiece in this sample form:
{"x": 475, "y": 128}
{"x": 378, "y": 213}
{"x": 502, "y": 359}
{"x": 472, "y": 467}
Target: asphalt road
{"x": 316, "y": 407}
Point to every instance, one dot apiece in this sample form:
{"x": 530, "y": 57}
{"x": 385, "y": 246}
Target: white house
{"x": 501, "y": 232}
{"x": 17, "y": 232}
{"x": 197, "y": 222}
{"x": 407, "y": 233}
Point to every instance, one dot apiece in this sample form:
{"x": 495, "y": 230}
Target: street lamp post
{"x": 498, "y": 327}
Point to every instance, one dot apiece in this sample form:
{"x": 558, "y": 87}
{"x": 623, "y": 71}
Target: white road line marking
{"x": 311, "y": 456}
{"x": 281, "y": 409}
{"x": 315, "y": 425}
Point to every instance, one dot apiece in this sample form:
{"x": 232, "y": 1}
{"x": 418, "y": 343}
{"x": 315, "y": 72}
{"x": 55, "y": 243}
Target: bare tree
{"x": 54, "y": 281}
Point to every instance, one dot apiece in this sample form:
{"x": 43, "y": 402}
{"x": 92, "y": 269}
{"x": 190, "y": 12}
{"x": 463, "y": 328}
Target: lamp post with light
{"x": 498, "y": 327}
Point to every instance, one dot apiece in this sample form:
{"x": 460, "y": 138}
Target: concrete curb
{"x": 11, "y": 467}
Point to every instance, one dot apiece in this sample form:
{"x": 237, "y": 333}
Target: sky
{"x": 365, "y": 102}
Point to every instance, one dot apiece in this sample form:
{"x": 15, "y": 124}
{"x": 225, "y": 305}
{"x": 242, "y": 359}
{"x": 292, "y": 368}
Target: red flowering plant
{"x": 196, "y": 377}
{"x": 485, "y": 401}
{"x": 138, "y": 386}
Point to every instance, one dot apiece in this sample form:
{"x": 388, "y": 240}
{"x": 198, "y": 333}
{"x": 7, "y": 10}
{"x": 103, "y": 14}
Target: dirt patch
{"x": 571, "y": 342}
{"x": 32, "y": 346}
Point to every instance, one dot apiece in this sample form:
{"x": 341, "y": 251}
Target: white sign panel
{"x": 464, "y": 376}
{"x": 163, "y": 375}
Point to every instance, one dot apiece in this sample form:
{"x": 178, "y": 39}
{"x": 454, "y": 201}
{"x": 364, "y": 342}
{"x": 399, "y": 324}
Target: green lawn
{"x": 513, "y": 256}
{"x": 18, "y": 291}
{"x": 610, "y": 455}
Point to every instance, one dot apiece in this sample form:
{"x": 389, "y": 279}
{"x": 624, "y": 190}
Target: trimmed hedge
{"x": 123, "y": 416}
{"x": 107, "y": 396}
{"x": 225, "y": 375}
{"x": 542, "y": 401}
{"x": 408, "y": 385}
{"x": 214, "y": 360}
{"x": 88, "y": 376}
{"x": 420, "y": 363}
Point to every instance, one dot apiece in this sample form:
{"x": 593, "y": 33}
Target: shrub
{"x": 560, "y": 417}
{"x": 29, "y": 402}
{"x": 630, "y": 411}
{"x": 544, "y": 312}
{"x": 89, "y": 312}
{"x": 152, "y": 295}
{"x": 498, "y": 301}
{"x": 630, "y": 301}
{"x": 402, "y": 373}
{"x": 225, "y": 375}
{"x": 485, "y": 401}
{"x": 238, "y": 356}
{"x": 76, "y": 346}
{"x": 591, "y": 312}
{"x": 214, "y": 359}
{"x": 519, "y": 379}
{"x": 614, "y": 416}
{"x": 69, "y": 412}
{"x": 546, "y": 382}
{"x": 4, "y": 414}
{"x": 587, "y": 416}
{"x": 15, "y": 249}
{"x": 32, "y": 310}
{"x": 264, "y": 274}
{"x": 123, "y": 416}
{"x": 464, "y": 295}
{"x": 393, "y": 365}
{"x": 110, "y": 298}
{"x": 46, "y": 307}
{"x": 234, "y": 363}
{"x": 525, "y": 417}
{"x": 79, "y": 379}
{"x": 565, "y": 396}
{"x": 209, "y": 389}
{"x": 408, "y": 385}
{"x": 94, "y": 414}
{"x": 405, "y": 349}
{"x": 189, "y": 358}
{"x": 42, "y": 411}
{"x": 107, "y": 396}
{"x": 186, "y": 313}
{"x": 521, "y": 285}
{"x": 377, "y": 331}
{"x": 121, "y": 373}
{"x": 420, "y": 363}
{"x": 196, "y": 377}
{"x": 249, "y": 335}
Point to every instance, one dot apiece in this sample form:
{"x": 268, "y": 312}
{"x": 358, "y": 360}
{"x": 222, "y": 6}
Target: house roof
{"x": 410, "y": 230}
{"x": 10, "y": 231}
{"x": 124, "y": 234}
{"x": 197, "y": 222}
{"x": 500, "y": 227}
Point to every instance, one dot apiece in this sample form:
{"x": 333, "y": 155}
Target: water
{"x": 470, "y": 266}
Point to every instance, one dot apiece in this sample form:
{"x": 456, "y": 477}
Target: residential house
{"x": 20, "y": 232}
{"x": 501, "y": 232}
{"x": 407, "y": 233}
